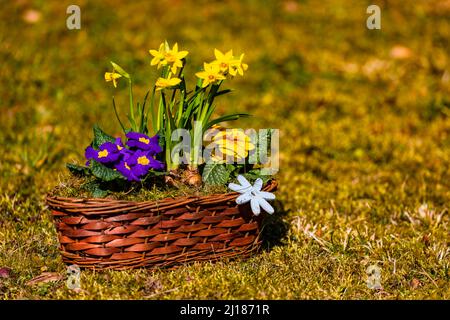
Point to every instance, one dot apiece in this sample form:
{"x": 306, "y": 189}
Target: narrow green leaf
{"x": 117, "y": 115}
{"x": 131, "y": 115}
{"x": 229, "y": 117}
{"x": 223, "y": 92}
{"x": 143, "y": 115}
{"x": 152, "y": 110}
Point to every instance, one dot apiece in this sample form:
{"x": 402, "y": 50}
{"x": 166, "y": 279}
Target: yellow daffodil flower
{"x": 174, "y": 57}
{"x": 210, "y": 74}
{"x": 166, "y": 56}
{"x": 238, "y": 67}
{"x": 158, "y": 56}
{"x": 224, "y": 61}
{"x": 112, "y": 76}
{"x": 162, "y": 83}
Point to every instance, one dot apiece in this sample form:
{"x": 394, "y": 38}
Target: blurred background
{"x": 363, "y": 118}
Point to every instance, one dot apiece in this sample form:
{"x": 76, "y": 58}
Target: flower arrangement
{"x": 172, "y": 140}
{"x": 165, "y": 134}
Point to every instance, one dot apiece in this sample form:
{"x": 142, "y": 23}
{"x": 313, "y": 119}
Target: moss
{"x": 75, "y": 187}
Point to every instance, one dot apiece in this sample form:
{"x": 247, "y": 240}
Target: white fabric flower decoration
{"x": 253, "y": 194}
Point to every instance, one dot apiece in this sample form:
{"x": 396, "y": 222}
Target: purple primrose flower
{"x": 126, "y": 169}
{"x": 137, "y": 164}
{"x": 142, "y": 162}
{"x": 107, "y": 153}
{"x": 132, "y": 163}
{"x": 143, "y": 142}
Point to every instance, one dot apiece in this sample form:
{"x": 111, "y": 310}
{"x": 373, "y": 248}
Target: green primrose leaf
{"x": 153, "y": 173}
{"x": 95, "y": 189}
{"x": 77, "y": 170}
{"x": 254, "y": 174}
{"x": 215, "y": 174}
{"x": 99, "y": 193}
{"x": 100, "y": 137}
{"x": 104, "y": 173}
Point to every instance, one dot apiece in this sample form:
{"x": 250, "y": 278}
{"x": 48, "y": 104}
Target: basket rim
{"x": 217, "y": 198}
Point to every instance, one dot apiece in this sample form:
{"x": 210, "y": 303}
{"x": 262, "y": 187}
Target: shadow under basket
{"x": 117, "y": 234}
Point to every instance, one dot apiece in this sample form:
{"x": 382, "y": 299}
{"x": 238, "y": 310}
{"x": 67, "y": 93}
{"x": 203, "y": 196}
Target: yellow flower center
{"x": 143, "y": 160}
{"x": 119, "y": 147}
{"x": 103, "y": 154}
{"x": 144, "y": 140}
{"x": 224, "y": 65}
{"x": 127, "y": 166}
{"x": 211, "y": 77}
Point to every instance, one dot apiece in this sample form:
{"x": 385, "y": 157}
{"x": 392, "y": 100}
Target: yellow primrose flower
{"x": 210, "y": 74}
{"x": 238, "y": 67}
{"x": 231, "y": 143}
{"x": 112, "y": 76}
{"x": 165, "y": 56}
{"x": 162, "y": 83}
{"x": 224, "y": 61}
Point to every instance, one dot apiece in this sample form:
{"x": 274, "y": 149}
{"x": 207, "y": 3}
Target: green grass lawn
{"x": 365, "y": 139}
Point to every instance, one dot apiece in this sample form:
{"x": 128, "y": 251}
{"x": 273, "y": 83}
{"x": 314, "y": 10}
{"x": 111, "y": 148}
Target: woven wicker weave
{"x": 115, "y": 234}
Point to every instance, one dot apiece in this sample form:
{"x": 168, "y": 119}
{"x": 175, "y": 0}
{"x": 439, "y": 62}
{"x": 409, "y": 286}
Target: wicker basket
{"x": 114, "y": 234}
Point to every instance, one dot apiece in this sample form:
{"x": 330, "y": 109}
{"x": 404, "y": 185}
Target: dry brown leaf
{"x": 44, "y": 278}
{"x": 5, "y": 272}
{"x": 415, "y": 283}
